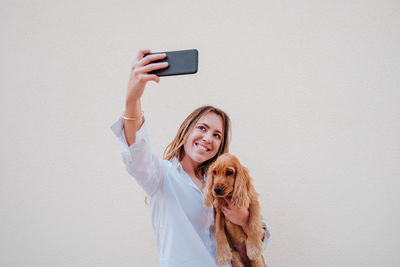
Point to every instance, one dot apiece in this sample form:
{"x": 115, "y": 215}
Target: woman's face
{"x": 205, "y": 139}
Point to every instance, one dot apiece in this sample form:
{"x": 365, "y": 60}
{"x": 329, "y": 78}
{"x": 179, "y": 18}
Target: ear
{"x": 209, "y": 198}
{"x": 240, "y": 196}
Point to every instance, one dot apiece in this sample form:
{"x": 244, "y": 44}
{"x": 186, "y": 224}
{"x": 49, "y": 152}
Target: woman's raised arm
{"x": 138, "y": 79}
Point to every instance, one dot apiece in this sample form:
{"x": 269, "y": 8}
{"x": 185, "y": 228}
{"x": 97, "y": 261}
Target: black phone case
{"x": 179, "y": 62}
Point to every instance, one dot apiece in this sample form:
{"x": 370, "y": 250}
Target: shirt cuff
{"x": 118, "y": 130}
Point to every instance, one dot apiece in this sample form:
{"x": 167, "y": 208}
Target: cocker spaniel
{"x": 227, "y": 178}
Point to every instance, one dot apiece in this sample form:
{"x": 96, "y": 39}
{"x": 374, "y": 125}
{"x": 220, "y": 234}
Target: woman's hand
{"x": 139, "y": 74}
{"x": 137, "y": 81}
{"x": 236, "y": 215}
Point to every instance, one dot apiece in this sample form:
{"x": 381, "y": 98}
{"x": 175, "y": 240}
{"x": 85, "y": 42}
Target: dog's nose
{"x": 218, "y": 190}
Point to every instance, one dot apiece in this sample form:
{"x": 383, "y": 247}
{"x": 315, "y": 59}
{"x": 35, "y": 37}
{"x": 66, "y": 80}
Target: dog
{"x": 227, "y": 178}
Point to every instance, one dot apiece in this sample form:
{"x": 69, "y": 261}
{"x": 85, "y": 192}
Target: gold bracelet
{"x": 133, "y": 119}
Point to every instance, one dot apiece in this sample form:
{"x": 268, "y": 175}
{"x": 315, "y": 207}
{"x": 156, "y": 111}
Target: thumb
{"x": 228, "y": 201}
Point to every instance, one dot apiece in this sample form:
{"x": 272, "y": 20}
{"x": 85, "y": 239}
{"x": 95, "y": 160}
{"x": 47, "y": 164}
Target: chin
{"x": 200, "y": 158}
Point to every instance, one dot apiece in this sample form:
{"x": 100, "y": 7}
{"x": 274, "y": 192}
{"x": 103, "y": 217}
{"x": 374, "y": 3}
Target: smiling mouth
{"x": 200, "y": 146}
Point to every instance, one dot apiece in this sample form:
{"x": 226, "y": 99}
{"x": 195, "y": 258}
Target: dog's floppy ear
{"x": 240, "y": 196}
{"x": 209, "y": 198}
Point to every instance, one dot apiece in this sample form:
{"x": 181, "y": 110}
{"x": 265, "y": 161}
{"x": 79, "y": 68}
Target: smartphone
{"x": 179, "y": 62}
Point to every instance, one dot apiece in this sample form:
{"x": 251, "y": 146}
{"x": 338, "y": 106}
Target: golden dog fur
{"x": 227, "y": 178}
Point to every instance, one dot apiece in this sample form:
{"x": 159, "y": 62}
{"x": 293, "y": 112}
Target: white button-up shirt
{"x": 183, "y": 225}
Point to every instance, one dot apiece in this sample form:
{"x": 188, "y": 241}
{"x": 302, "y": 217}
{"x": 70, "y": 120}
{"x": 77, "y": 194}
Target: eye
{"x": 202, "y": 128}
{"x": 214, "y": 172}
{"x": 218, "y": 136}
{"x": 229, "y": 172}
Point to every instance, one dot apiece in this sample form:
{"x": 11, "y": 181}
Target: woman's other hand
{"x": 139, "y": 74}
{"x": 239, "y": 216}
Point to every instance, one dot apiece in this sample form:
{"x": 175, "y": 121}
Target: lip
{"x": 200, "y": 145}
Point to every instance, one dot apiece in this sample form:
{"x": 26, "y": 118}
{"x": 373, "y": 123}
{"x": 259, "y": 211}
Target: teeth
{"x": 202, "y": 147}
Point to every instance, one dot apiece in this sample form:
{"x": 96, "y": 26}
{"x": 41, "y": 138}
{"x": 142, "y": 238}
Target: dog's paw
{"x": 224, "y": 255}
{"x": 253, "y": 249}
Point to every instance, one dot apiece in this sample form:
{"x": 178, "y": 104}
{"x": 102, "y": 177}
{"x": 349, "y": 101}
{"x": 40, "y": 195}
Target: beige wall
{"x": 312, "y": 88}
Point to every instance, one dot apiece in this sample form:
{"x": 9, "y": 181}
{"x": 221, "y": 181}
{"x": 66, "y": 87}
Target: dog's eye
{"x": 214, "y": 172}
{"x": 229, "y": 172}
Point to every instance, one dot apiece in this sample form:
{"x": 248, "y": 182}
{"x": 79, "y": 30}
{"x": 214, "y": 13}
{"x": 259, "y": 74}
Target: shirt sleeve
{"x": 140, "y": 161}
{"x": 267, "y": 237}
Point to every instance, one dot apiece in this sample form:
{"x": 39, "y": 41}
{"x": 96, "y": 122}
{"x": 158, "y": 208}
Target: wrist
{"x": 132, "y": 108}
{"x": 133, "y": 118}
{"x": 132, "y": 101}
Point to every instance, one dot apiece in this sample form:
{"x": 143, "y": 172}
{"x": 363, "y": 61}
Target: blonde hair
{"x": 176, "y": 147}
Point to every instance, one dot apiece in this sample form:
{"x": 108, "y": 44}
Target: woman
{"x": 174, "y": 186}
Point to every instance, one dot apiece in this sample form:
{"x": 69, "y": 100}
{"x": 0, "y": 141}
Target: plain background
{"x": 312, "y": 88}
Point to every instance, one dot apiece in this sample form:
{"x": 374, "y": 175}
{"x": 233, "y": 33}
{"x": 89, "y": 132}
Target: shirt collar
{"x": 176, "y": 163}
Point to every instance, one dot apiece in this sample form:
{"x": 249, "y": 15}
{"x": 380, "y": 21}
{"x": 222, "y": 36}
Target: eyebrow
{"x": 218, "y": 131}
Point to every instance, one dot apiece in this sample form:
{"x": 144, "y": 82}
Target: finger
{"x": 147, "y": 59}
{"x": 141, "y": 53}
{"x": 149, "y": 77}
{"x": 154, "y": 66}
{"x": 225, "y": 210}
{"x": 228, "y": 201}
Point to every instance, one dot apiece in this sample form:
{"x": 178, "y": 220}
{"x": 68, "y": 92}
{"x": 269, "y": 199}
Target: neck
{"x": 189, "y": 166}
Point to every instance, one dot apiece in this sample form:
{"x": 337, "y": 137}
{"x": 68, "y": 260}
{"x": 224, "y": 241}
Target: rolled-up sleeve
{"x": 267, "y": 236}
{"x": 140, "y": 161}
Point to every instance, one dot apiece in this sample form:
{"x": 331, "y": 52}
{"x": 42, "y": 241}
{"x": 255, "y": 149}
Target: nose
{"x": 207, "y": 137}
{"x": 218, "y": 190}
